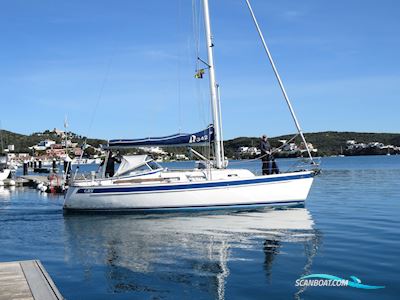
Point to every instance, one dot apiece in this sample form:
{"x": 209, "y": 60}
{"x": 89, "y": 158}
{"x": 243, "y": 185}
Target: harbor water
{"x": 350, "y": 226}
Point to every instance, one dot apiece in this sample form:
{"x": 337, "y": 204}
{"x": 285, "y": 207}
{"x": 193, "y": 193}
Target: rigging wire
{"x": 272, "y": 152}
{"x": 300, "y": 131}
{"x": 196, "y": 36}
{"x": 197, "y": 41}
{"x": 200, "y": 95}
{"x": 196, "y": 30}
{"x": 220, "y": 122}
{"x": 100, "y": 95}
{"x": 299, "y": 164}
{"x": 179, "y": 63}
{"x": 94, "y": 111}
{"x": 1, "y": 139}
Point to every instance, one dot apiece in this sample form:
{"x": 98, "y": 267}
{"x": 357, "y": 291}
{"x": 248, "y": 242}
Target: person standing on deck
{"x": 265, "y": 148}
{"x": 110, "y": 165}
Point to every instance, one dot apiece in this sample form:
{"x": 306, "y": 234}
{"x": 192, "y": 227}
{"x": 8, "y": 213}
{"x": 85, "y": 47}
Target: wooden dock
{"x": 36, "y": 178}
{"x": 26, "y": 280}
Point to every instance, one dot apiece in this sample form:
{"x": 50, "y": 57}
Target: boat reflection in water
{"x": 5, "y": 193}
{"x": 183, "y": 255}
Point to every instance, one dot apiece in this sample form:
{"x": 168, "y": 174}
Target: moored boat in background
{"x": 4, "y": 168}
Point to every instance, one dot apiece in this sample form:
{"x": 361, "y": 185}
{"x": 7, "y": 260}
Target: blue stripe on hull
{"x": 165, "y": 187}
{"x": 195, "y": 208}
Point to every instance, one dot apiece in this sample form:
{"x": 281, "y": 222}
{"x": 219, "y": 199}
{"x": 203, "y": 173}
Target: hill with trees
{"x": 327, "y": 143}
{"x": 22, "y": 142}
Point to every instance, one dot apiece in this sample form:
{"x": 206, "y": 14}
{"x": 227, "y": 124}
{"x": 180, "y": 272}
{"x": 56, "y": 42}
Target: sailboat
{"x": 141, "y": 184}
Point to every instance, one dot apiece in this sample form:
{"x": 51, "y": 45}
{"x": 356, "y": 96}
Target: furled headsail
{"x": 200, "y": 138}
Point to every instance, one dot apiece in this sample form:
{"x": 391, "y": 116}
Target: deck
{"x": 26, "y": 280}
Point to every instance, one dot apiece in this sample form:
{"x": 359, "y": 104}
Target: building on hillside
{"x": 69, "y": 144}
{"x": 181, "y": 157}
{"x": 56, "y": 152}
{"x": 77, "y": 151}
{"x": 56, "y": 146}
{"x": 291, "y": 147}
{"x": 244, "y": 151}
{"x": 310, "y": 147}
{"x": 371, "y": 148}
{"x": 43, "y": 145}
{"x": 59, "y": 132}
{"x": 154, "y": 150}
{"x": 353, "y": 145}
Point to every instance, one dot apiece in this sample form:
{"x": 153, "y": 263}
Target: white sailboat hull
{"x": 272, "y": 190}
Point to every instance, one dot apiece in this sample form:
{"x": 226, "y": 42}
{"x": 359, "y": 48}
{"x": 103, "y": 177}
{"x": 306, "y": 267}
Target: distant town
{"x": 373, "y": 148}
{"x": 284, "y": 150}
{"x": 351, "y": 148}
{"x": 58, "y": 145}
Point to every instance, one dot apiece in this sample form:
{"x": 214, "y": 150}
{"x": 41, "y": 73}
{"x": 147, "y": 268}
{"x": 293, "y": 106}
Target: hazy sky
{"x": 126, "y": 68}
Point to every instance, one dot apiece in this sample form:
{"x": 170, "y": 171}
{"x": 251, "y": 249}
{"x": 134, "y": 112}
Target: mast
{"x": 66, "y": 134}
{"x": 215, "y": 104}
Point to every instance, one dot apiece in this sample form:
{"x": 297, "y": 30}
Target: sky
{"x": 125, "y": 69}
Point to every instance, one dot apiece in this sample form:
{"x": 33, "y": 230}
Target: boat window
{"x": 141, "y": 169}
{"x": 153, "y": 165}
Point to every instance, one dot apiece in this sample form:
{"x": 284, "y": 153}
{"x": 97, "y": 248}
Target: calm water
{"x": 350, "y": 226}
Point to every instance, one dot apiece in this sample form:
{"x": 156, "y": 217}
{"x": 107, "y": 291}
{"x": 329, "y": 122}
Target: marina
{"x": 254, "y": 254}
{"x": 50, "y": 184}
{"x": 281, "y": 177}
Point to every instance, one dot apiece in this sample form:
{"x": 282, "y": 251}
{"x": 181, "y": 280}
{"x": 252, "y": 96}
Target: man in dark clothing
{"x": 110, "y": 166}
{"x": 267, "y": 157}
{"x": 265, "y": 148}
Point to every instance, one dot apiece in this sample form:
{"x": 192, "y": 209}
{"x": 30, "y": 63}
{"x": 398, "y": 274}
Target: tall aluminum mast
{"x": 218, "y": 143}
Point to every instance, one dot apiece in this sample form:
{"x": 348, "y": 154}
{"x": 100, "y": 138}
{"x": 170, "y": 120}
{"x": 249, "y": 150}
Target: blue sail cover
{"x": 180, "y": 139}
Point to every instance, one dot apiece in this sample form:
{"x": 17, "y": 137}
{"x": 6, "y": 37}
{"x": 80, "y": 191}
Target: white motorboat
{"x": 140, "y": 184}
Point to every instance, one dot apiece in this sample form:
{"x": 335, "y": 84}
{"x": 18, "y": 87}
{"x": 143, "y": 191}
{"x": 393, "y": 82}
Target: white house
{"x": 43, "y": 145}
{"x": 154, "y": 150}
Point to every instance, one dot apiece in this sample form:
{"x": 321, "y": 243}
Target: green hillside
{"x": 327, "y": 143}
{"x": 22, "y": 142}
